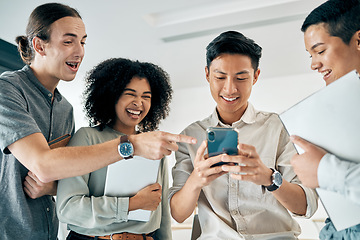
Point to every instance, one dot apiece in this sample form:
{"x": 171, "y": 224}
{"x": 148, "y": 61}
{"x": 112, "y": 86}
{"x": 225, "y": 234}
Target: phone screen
{"x": 222, "y": 140}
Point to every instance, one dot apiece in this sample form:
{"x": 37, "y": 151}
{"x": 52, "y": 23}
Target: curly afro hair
{"x": 106, "y": 82}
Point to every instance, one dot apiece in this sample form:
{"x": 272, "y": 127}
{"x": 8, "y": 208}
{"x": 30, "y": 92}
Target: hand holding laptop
{"x": 306, "y": 164}
{"x": 147, "y": 198}
{"x": 135, "y": 177}
{"x": 329, "y": 118}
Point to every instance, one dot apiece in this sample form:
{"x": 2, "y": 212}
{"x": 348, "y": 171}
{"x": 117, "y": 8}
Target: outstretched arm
{"x": 53, "y": 164}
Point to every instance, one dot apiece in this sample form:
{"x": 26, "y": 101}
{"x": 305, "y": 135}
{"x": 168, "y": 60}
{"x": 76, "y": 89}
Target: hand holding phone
{"x": 220, "y": 141}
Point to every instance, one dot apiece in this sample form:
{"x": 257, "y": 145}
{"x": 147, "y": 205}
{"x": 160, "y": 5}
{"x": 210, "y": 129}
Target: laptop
{"x": 330, "y": 118}
{"x": 126, "y": 177}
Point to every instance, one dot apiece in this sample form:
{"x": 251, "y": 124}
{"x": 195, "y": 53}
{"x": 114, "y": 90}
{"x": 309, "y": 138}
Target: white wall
{"x": 272, "y": 94}
{"x": 192, "y": 104}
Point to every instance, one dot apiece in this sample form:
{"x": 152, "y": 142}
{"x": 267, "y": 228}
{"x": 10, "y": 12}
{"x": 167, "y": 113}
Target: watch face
{"x": 126, "y": 149}
{"x": 277, "y": 179}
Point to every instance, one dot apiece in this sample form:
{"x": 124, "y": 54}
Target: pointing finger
{"x": 180, "y": 138}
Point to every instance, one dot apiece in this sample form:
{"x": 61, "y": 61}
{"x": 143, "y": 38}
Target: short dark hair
{"x": 232, "y": 42}
{"x": 39, "y": 25}
{"x": 341, "y": 18}
{"x": 106, "y": 82}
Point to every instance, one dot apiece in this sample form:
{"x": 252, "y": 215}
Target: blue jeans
{"x": 329, "y": 232}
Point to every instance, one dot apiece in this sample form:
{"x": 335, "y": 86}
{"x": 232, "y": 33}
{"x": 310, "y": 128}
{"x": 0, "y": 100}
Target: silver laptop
{"x": 126, "y": 177}
{"x": 330, "y": 118}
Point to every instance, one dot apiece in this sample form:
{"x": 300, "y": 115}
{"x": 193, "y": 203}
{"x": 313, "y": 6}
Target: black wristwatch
{"x": 276, "y": 179}
{"x": 125, "y": 148}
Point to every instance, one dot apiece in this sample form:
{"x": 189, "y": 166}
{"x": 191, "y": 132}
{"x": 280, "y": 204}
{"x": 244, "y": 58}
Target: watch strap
{"x": 124, "y": 138}
{"x": 273, "y": 186}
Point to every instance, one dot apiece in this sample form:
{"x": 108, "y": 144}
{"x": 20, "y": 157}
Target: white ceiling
{"x": 174, "y": 34}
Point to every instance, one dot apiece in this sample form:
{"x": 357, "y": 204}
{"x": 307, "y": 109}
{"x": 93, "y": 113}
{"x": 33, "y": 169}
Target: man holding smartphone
{"x": 249, "y": 198}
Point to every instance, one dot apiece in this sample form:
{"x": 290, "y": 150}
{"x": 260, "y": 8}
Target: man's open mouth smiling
{"x": 229, "y": 99}
{"x": 73, "y": 65}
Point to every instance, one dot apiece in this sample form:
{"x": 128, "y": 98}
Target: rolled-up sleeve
{"x": 184, "y": 165}
{"x": 311, "y": 200}
{"x": 340, "y": 176}
{"x": 182, "y": 169}
{"x": 287, "y": 150}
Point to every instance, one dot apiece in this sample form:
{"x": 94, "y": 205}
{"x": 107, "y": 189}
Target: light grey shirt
{"x": 340, "y": 176}
{"x": 81, "y": 203}
{"x": 232, "y": 209}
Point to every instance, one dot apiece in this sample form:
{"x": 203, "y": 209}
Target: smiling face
{"x": 231, "y": 77}
{"x": 133, "y": 105}
{"x": 330, "y": 56}
{"x": 62, "y": 55}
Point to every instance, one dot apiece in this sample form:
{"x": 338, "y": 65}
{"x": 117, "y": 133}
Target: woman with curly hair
{"x": 123, "y": 97}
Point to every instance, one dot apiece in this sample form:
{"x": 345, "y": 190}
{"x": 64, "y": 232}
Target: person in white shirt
{"x": 332, "y": 38}
{"x": 256, "y": 203}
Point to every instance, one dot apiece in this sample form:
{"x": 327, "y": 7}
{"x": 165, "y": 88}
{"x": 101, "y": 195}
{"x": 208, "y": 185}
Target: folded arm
{"x": 75, "y": 205}
{"x": 34, "y": 188}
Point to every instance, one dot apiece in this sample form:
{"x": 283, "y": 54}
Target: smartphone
{"x": 222, "y": 140}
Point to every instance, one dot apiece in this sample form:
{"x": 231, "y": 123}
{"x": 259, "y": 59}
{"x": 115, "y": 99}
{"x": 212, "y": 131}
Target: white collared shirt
{"x": 232, "y": 209}
{"x": 340, "y": 176}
